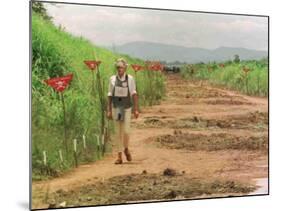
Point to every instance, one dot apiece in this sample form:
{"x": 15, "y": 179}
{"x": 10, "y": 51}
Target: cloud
{"x": 108, "y": 25}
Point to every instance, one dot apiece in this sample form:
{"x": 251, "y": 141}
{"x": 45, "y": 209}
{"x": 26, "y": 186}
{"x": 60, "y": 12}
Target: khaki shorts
{"x": 126, "y": 123}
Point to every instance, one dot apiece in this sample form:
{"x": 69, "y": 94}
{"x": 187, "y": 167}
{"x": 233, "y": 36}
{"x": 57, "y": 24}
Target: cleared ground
{"x": 213, "y": 141}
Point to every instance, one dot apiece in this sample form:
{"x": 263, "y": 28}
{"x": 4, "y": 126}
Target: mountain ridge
{"x": 168, "y": 52}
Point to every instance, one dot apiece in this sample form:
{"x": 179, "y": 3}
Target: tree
{"x": 236, "y": 58}
{"x": 39, "y": 8}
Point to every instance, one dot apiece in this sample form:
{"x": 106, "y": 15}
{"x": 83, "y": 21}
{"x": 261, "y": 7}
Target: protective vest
{"x": 121, "y": 94}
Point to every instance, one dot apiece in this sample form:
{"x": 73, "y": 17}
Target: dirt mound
{"x": 220, "y": 141}
{"x": 251, "y": 121}
{"x": 202, "y": 92}
{"x": 140, "y": 187}
{"x": 227, "y": 101}
{"x": 154, "y": 122}
{"x": 169, "y": 172}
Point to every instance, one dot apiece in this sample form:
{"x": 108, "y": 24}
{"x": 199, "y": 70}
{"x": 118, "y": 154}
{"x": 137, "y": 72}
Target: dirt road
{"x": 213, "y": 142}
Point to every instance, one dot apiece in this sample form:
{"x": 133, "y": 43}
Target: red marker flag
{"x": 91, "y": 64}
{"x": 161, "y": 67}
{"x": 137, "y": 67}
{"x": 59, "y": 83}
{"x": 156, "y": 67}
{"x": 221, "y": 65}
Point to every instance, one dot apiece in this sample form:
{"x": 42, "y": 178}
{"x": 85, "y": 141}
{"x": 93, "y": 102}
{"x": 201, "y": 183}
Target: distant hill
{"x": 169, "y": 53}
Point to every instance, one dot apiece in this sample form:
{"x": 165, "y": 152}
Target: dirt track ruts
{"x": 186, "y": 109}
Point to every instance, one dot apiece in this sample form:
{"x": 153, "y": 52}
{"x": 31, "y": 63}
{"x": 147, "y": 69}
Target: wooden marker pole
{"x": 61, "y": 157}
{"x": 45, "y": 158}
{"x": 84, "y": 142}
{"x": 64, "y": 122}
{"x": 98, "y": 144}
{"x": 75, "y": 152}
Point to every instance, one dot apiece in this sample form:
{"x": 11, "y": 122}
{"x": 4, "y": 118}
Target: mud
{"x": 141, "y": 187}
{"x": 262, "y": 184}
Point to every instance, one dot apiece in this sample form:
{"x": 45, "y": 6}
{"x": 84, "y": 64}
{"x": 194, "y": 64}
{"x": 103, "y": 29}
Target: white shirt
{"x": 131, "y": 84}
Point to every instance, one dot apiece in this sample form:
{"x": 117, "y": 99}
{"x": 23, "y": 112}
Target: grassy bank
{"x": 249, "y": 77}
{"x": 56, "y": 52}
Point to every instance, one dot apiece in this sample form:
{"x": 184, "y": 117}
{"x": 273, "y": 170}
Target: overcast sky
{"x": 109, "y": 25}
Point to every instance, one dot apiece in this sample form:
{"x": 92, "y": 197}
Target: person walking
{"x": 122, "y": 96}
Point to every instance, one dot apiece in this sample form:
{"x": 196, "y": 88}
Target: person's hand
{"x": 109, "y": 114}
{"x": 136, "y": 113}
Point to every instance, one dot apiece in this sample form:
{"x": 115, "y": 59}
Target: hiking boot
{"x": 119, "y": 159}
{"x": 127, "y": 154}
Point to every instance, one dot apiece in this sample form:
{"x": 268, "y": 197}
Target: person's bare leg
{"x": 121, "y": 136}
{"x": 126, "y": 140}
{"x": 126, "y": 147}
{"x": 119, "y": 142}
{"x": 127, "y": 124}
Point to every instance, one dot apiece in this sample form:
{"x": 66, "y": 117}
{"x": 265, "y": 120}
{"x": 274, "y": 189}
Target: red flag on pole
{"x": 155, "y": 66}
{"x": 221, "y": 65}
{"x": 91, "y": 64}
{"x": 137, "y": 67}
{"x": 59, "y": 83}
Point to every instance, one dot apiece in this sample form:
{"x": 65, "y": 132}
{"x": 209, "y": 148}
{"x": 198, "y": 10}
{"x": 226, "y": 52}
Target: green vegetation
{"x": 38, "y": 8}
{"x": 57, "y": 53}
{"x": 249, "y": 77}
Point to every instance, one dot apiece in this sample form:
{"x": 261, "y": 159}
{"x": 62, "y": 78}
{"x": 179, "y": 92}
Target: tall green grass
{"x": 56, "y": 52}
{"x": 255, "y": 82}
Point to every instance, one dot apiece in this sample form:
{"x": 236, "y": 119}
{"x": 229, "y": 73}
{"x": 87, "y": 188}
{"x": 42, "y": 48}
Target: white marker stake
{"x": 98, "y": 140}
{"x": 60, "y": 154}
{"x": 75, "y": 152}
{"x": 44, "y": 157}
{"x": 75, "y": 145}
{"x": 102, "y": 139}
{"x": 84, "y": 141}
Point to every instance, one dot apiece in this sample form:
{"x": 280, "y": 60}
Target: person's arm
{"x": 134, "y": 95}
{"x": 109, "y": 106}
{"x": 135, "y": 109}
